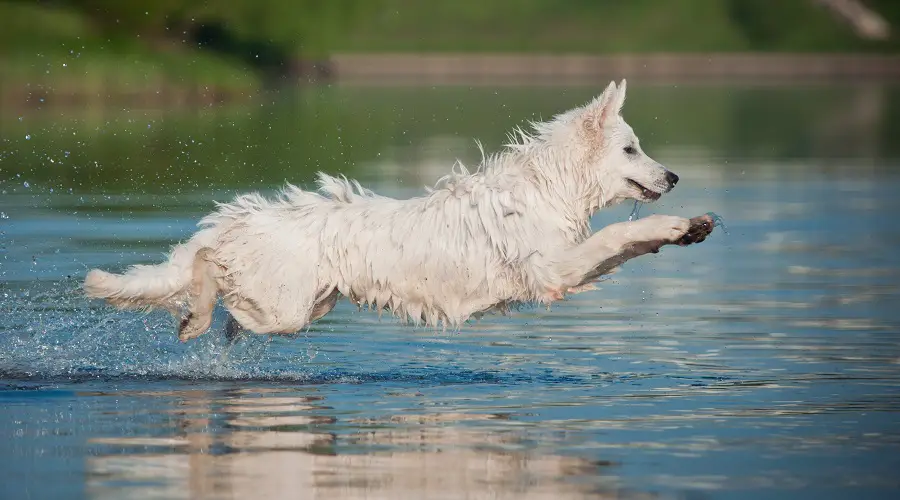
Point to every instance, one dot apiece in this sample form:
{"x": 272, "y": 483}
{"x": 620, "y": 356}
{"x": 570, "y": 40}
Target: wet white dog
{"x": 515, "y": 231}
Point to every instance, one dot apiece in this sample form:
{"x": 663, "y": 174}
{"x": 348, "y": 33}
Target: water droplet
{"x": 635, "y": 211}
{"x": 3, "y": 215}
{"x": 27, "y": 137}
{"x": 26, "y": 184}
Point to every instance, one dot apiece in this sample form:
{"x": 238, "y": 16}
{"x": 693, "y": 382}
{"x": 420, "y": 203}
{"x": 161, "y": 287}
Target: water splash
{"x": 635, "y": 211}
{"x": 718, "y": 221}
{"x": 52, "y": 331}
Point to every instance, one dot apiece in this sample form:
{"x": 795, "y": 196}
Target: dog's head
{"x": 615, "y": 162}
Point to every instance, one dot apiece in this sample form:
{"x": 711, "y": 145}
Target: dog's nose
{"x": 671, "y": 178}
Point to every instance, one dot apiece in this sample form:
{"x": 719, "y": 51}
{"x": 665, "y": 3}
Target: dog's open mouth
{"x": 646, "y": 193}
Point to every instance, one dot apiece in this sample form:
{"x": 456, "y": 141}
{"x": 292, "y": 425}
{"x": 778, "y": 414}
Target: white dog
{"x": 515, "y": 231}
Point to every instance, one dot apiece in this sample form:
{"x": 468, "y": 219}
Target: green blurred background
{"x": 236, "y": 46}
{"x": 151, "y": 96}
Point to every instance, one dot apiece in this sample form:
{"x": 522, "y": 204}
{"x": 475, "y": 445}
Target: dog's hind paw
{"x": 192, "y": 326}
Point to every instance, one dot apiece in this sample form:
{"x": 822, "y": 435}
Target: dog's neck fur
{"x": 535, "y": 170}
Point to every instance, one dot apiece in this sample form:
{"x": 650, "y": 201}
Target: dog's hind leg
{"x": 202, "y": 299}
{"x": 249, "y": 314}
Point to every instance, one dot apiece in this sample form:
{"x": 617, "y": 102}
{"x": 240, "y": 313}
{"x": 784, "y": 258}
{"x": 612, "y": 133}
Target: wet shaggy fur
{"x": 516, "y": 230}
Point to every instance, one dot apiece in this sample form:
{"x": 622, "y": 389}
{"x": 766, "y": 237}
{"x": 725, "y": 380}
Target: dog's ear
{"x": 602, "y": 112}
{"x": 620, "y": 97}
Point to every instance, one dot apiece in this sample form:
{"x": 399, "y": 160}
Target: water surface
{"x": 761, "y": 363}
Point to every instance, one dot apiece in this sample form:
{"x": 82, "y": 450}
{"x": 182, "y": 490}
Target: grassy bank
{"x": 52, "y": 50}
{"x": 79, "y": 48}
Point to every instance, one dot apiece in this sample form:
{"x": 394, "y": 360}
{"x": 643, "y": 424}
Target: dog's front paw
{"x": 700, "y": 228}
{"x": 660, "y": 228}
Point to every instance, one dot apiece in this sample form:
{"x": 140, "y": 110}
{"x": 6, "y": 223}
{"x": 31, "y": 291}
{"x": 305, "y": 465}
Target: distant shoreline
{"x": 384, "y": 69}
{"x": 490, "y": 69}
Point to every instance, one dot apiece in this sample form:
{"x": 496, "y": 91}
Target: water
{"x": 761, "y": 363}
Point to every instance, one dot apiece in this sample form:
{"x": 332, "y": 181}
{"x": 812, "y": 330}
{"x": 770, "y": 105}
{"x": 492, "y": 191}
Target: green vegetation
{"x": 605, "y": 26}
{"x": 62, "y": 50}
{"x": 235, "y": 46}
{"x": 90, "y": 47}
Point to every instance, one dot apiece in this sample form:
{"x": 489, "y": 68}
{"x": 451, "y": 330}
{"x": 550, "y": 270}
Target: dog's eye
{"x": 630, "y": 150}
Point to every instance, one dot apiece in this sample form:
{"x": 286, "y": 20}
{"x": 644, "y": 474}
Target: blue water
{"x": 764, "y": 363}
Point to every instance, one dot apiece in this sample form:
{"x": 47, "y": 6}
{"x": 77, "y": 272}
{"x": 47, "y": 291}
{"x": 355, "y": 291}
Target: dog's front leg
{"x": 616, "y": 244}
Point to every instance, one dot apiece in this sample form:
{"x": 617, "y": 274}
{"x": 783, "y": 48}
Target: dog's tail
{"x": 148, "y": 286}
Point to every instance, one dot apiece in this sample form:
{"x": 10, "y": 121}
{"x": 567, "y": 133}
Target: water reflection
{"x": 276, "y": 443}
{"x": 289, "y": 453}
{"x": 376, "y": 134}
